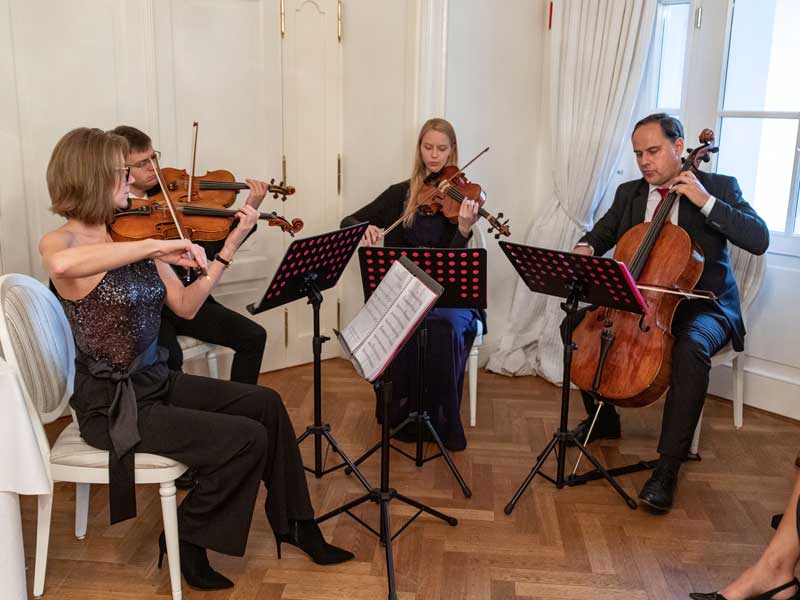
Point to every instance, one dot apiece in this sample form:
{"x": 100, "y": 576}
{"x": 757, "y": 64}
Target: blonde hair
{"x": 418, "y": 173}
{"x": 84, "y": 173}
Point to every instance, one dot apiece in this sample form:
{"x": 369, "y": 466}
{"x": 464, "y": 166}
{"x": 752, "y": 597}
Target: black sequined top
{"x": 119, "y": 318}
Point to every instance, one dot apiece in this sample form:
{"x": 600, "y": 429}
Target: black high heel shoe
{"x": 307, "y": 536}
{"x": 195, "y": 567}
{"x": 765, "y": 596}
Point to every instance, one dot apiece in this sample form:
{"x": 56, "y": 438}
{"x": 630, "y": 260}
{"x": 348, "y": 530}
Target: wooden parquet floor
{"x": 558, "y": 544}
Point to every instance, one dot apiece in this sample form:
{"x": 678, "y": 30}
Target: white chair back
{"x": 748, "y": 270}
{"x": 478, "y": 239}
{"x": 35, "y": 337}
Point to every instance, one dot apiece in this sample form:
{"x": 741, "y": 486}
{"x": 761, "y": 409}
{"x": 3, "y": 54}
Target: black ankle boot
{"x": 195, "y": 567}
{"x": 307, "y": 536}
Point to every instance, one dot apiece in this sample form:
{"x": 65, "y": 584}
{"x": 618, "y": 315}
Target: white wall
{"x": 494, "y": 97}
{"x": 380, "y": 57}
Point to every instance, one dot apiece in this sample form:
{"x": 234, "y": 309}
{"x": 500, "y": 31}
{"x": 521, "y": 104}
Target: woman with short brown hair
{"x": 233, "y": 435}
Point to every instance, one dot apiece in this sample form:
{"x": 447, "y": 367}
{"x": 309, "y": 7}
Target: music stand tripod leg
{"x": 320, "y": 429}
{"x": 563, "y": 435}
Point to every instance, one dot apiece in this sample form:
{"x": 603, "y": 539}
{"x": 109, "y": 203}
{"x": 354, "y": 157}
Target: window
{"x": 760, "y": 116}
{"x": 732, "y": 65}
{"x": 672, "y": 24}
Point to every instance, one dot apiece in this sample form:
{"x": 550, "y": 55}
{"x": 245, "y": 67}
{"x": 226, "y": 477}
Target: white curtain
{"x": 597, "y": 57}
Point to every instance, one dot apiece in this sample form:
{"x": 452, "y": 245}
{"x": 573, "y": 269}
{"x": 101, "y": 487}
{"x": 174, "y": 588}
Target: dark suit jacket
{"x": 731, "y": 219}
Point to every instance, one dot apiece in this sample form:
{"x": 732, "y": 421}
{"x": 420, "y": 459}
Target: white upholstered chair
{"x": 35, "y": 338}
{"x": 748, "y": 271}
{"x": 478, "y": 240}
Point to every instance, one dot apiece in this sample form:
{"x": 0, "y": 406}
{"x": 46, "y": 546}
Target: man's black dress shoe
{"x": 765, "y": 596}
{"x": 607, "y": 427}
{"x": 659, "y": 490}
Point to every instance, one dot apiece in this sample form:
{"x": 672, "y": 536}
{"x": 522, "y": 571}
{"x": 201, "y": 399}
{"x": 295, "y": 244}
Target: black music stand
{"x": 310, "y": 266}
{"x": 462, "y": 273}
{"x": 385, "y": 494}
{"x": 578, "y": 278}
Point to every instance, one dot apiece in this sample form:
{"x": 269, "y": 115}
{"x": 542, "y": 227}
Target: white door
{"x": 218, "y": 63}
{"x": 312, "y": 143}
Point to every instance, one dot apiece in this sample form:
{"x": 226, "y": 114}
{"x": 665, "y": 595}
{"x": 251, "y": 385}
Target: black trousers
{"x": 700, "y": 331}
{"x": 233, "y": 436}
{"x": 219, "y": 325}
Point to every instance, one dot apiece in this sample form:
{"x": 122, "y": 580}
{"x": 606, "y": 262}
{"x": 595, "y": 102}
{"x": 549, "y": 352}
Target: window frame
{"x": 708, "y": 34}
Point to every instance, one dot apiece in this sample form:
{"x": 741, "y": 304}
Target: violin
{"x": 624, "y": 357}
{"x": 200, "y": 219}
{"x": 151, "y": 218}
{"x": 446, "y": 190}
{"x": 215, "y": 188}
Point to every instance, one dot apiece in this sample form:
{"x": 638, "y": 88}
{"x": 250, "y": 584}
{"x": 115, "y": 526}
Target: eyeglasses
{"x": 143, "y": 163}
{"x": 127, "y": 171}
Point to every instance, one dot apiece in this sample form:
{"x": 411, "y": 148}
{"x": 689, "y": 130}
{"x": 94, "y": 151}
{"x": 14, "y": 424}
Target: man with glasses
{"x": 214, "y": 322}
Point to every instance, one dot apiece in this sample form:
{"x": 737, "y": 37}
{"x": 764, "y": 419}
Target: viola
{"x": 151, "y": 218}
{"x": 216, "y": 188}
{"x": 626, "y": 358}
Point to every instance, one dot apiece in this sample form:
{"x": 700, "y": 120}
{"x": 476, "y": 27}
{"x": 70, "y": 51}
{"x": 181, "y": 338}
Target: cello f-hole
{"x": 642, "y": 327}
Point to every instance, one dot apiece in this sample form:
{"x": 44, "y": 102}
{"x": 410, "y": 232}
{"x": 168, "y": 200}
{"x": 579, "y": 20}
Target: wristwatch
{"x": 224, "y": 261}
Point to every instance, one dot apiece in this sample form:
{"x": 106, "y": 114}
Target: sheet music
{"x": 390, "y": 315}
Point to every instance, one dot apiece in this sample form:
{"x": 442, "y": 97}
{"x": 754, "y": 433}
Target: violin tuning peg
{"x": 500, "y": 215}
{"x": 272, "y": 181}
{"x": 706, "y": 158}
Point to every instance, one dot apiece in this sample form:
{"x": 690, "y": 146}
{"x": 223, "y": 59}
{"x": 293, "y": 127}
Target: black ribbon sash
{"x": 123, "y": 426}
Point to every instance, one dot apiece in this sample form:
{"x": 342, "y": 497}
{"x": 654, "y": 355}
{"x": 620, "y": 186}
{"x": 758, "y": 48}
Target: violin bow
{"x": 195, "y": 127}
{"x": 171, "y": 207}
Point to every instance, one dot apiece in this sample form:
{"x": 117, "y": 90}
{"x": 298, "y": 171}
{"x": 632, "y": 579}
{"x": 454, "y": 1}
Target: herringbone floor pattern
{"x": 558, "y": 544}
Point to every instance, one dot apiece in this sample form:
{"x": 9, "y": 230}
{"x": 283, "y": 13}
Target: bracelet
{"x": 225, "y": 262}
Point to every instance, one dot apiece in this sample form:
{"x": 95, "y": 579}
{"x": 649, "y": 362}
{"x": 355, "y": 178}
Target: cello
{"x": 624, "y": 357}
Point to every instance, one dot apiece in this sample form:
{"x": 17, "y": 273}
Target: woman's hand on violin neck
{"x": 258, "y": 191}
{"x": 247, "y": 217}
{"x": 372, "y": 235}
{"x": 467, "y": 216}
{"x": 182, "y": 253}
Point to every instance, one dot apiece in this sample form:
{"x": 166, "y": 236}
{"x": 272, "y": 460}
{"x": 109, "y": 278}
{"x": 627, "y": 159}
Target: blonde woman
{"x": 233, "y": 435}
{"x": 450, "y": 330}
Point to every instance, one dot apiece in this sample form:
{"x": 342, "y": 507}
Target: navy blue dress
{"x": 451, "y": 331}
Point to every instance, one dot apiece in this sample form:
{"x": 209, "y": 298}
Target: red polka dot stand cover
{"x": 321, "y": 258}
{"x": 460, "y": 271}
{"x": 606, "y": 282}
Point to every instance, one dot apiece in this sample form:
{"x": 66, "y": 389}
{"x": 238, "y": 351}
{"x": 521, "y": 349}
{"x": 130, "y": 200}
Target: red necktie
{"x": 663, "y": 193}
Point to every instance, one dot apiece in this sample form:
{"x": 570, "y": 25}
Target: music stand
{"x": 462, "y": 273}
{"x": 599, "y": 281}
{"x": 310, "y": 266}
{"x": 385, "y": 494}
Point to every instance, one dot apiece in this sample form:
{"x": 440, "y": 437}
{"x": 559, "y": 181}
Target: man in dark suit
{"x": 713, "y": 212}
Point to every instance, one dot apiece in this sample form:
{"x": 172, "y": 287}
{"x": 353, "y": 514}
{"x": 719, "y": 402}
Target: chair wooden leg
{"x": 169, "y": 514}
{"x": 42, "y": 542}
{"x": 738, "y": 392}
{"x": 81, "y": 509}
{"x": 472, "y": 363}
